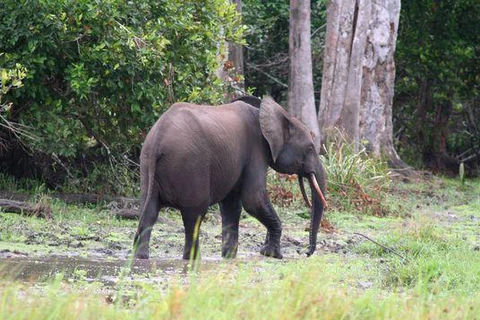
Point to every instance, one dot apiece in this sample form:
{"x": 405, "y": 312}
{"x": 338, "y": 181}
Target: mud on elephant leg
{"x": 230, "y": 208}
{"x": 192, "y": 219}
{"x": 260, "y": 207}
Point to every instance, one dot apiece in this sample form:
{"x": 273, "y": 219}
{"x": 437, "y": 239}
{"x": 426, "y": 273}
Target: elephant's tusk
{"x": 317, "y": 188}
{"x": 304, "y": 194}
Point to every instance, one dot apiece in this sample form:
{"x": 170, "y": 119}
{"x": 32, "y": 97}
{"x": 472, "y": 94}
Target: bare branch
{"x": 268, "y": 75}
{"x": 381, "y": 245}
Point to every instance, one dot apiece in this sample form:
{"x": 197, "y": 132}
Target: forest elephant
{"x": 195, "y": 156}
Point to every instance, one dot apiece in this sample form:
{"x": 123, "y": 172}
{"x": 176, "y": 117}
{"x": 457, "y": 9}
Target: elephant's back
{"x": 202, "y": 148}
{"x": 206, "y": 127}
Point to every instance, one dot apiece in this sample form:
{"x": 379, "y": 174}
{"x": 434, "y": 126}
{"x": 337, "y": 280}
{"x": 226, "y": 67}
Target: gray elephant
{"x": 195, "y": 156}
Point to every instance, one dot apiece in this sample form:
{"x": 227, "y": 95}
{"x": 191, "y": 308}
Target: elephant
{"x": 196, "y": 156}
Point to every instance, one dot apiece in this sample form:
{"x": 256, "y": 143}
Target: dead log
{"x": 134, "y": 214}
{"x": 127, "y": 214}
{"x": 40, "y": 210}
{"x": 75, "y": 198}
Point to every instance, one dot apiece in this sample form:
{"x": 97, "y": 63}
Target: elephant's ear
{"x": 273, "y": 124}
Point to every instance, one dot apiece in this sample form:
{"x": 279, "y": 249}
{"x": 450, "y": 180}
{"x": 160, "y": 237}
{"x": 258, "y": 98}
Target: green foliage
{"x": 10, "y": 79}
{"x": 21, "y": 185}
{"x": 437, "y": 79}
{"x": 99, "y": 73}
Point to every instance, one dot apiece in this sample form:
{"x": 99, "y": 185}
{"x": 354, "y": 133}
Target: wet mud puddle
{"x": 109, "y": 272}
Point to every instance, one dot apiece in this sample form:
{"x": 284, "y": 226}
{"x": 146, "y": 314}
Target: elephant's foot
{"x": 141, "y": 252}
{"x": 271, "y": 251}
{"x": 140, "y": 247}
{"x": 191, "y": 254}
{"x": 142, "y": 255}
{"x": 229, "y": 253}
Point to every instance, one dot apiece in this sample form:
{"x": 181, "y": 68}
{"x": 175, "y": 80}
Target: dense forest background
{"x": 83, "y": 81}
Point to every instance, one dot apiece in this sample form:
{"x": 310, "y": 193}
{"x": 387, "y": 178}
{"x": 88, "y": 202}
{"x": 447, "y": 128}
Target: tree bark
{"x": 359, "y": 73}
{"x": 376, "y": 125}
{"x": 230, "y": 59}
{"x": 301, "y": 101}
{"x": 338, "y": 40}
{"x": 235, "y": 56}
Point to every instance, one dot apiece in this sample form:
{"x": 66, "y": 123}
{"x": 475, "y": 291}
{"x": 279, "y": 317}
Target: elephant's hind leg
{"x": 147, "y": 220}
{"x": 230, "y": 208}
{"x": 192, "y": 219}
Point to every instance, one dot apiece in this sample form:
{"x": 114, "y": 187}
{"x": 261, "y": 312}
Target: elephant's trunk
{"x": 316, "y": 211}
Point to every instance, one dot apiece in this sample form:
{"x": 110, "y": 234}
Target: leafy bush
{"x": 99, "y": 73}
{"x": 435, "y": 111}
{"x": 10, "y": 79}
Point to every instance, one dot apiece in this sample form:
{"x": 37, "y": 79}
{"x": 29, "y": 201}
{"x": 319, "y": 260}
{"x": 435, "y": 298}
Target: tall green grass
{"x": 356, "y": 181}
{"x": 435, "y": 259}
{"x": 317, "y": 288}
{"x": 345, "y": 167}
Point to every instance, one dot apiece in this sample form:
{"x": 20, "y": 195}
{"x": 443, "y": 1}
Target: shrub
{"x": 99, "y": 73}
{"x": 355, "y": 179}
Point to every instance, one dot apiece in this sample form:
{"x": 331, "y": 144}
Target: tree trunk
{"x": 230, "y": 60}
{"x": 379, "y": 79}
{"x": 359, "y": 73}
{"x": 301, "y": 101}
{"x": 235, "y": 56}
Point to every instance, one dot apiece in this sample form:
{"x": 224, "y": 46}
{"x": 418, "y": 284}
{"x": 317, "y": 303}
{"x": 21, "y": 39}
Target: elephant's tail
{"x": 148, "y": 181}
{"x": 148, "y": 208}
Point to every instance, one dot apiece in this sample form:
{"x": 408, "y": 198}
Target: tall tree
{"x": 359, "y": 73}
{"x": 301, "y": 101}
{"x": 231, "y": 70}
{"x": 235, "y": 56}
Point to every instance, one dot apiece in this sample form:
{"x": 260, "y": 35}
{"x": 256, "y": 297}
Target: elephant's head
{"x": 293, "y": 152}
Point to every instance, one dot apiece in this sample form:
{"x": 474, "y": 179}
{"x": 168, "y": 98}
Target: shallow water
{"x": 35, "y": 269}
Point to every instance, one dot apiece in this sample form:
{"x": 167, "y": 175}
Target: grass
{"x": 318, "y": 288}
{"x": 360, "y": 181}
{"x": 433, "y": 224}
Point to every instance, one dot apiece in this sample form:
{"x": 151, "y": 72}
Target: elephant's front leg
{"x": 258, "y": 205}
{"x": 230, "y": 208}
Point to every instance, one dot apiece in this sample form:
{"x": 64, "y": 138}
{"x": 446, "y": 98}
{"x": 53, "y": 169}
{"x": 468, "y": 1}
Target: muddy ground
{"x": 86, "y": 242}
{"x": 90, "y": 240}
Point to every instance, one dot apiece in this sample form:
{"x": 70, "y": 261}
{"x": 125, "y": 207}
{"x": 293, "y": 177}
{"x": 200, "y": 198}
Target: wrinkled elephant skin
{"x": 195, "y": 156}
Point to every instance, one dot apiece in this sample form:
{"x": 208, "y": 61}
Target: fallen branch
{"x": 381, "y": 245}
{"x": 75, "y": 198}
{"x": 40, "y": 210}
{"x": 127, "y": 214}
{"x": 43, "y": 211}
{"x": 133, "y": 214}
